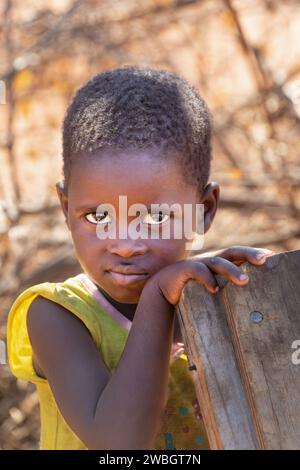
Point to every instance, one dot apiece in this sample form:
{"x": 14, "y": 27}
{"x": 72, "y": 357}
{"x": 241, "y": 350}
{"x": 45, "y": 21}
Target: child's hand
{"x": 201, "y": 268}
{"x": 238, "y": 255}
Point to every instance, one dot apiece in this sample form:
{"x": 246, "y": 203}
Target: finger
{"x": 202, "y": 274}
{"x": 259, "y": 255}
{"x": 241, "y": 254}
{"x": 227, "y": 269}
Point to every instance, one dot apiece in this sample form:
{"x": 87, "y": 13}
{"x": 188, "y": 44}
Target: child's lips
{"x": 127, "y": 279}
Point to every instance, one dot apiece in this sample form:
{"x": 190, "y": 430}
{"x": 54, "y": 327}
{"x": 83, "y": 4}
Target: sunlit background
{"x": 243, "y": 56}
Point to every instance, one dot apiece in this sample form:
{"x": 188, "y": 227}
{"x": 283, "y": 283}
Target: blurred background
{"x": 243, "y": 56}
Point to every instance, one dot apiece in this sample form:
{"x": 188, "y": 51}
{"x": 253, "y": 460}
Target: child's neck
{"x": 128, "y": 310}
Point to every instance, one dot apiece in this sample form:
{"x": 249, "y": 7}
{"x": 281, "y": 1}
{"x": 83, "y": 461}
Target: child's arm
{"x": 106, "y": 411}
{"x": 120, "y": 410}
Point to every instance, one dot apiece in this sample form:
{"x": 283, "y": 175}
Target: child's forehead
{"x": 138, "y": 175}
{"x": 127, "y": 168}
{"x": 126, "y": 160}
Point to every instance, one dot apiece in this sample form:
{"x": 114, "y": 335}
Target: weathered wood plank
{"x": 247, "y": 386}
{"x": 217, "y": 379}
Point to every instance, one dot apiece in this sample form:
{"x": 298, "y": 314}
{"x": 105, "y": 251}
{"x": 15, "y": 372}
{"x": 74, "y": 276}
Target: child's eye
{"x": 158, "y": 218}
{"x": 98, "y": 218}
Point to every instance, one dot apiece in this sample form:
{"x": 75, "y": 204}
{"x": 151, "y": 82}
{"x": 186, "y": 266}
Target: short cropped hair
{"x": 134, "y": 107}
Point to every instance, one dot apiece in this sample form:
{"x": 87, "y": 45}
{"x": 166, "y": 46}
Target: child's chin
{"x": 131, "y": 297}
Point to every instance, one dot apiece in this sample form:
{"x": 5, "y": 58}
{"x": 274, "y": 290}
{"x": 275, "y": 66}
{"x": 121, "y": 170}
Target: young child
{"x": 104, "y": 347}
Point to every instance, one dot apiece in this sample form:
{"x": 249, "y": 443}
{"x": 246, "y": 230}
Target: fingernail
{"x": 260, "y": 255}
{"x": 243, "y": 277}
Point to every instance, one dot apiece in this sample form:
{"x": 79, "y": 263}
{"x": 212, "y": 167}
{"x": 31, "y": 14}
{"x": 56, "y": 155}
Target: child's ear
{"x": 63, "y": 199}
{"x": 210, "y": 199}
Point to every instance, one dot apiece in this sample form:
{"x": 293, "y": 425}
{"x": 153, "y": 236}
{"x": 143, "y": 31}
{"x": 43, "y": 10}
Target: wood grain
{"x": 247, "y": 385}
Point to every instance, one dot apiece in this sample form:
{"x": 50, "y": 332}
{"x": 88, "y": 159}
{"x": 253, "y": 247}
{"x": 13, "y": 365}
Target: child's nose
{"x": 127, "y": 247}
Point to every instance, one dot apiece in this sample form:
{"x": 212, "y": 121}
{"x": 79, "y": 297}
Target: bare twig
{"x": 10, "y": 107}
{"x": 257, "y": 72}
{"x": 43, "y": 41}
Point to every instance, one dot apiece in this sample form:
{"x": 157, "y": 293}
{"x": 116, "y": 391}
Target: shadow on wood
{"x": 240, "y": 342}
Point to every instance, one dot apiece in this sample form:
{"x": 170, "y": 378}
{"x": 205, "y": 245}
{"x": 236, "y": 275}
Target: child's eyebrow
{"x": 94, "y": 207}
{"x": 86, "y": 208}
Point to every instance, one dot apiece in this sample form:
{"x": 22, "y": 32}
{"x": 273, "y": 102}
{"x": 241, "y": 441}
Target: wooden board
{"x": 240, "y": 341}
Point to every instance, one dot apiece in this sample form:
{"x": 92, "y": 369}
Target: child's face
{"x": 143, "y": 179}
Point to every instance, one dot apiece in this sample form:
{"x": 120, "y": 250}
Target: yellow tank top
{"x": 181, "y": 424}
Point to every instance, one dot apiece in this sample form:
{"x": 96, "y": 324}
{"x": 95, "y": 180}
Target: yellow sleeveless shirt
{"x": 181, "y": 424}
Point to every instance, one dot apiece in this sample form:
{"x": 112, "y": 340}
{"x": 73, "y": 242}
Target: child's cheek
{"x": 85, "y": 238}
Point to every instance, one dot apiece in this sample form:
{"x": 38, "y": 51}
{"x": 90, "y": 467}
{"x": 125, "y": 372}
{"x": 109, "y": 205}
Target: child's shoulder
{"x": 60, "y": 293}
{"x": 37, "y": 315}
{"x": 45, "y": 313}
{"x": 49, "y": 304}
{"x": 52, "y": 323}
{"x": 41, "y": 317}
